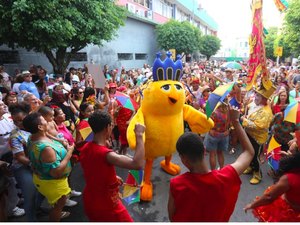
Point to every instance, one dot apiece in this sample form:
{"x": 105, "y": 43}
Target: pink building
{"x": 161, "y": 11}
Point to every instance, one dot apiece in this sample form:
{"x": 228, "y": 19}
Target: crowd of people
{"x": 42, "y": 117}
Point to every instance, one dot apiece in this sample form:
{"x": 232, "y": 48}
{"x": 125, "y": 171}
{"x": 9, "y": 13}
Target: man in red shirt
{"x": 201, "y": 195}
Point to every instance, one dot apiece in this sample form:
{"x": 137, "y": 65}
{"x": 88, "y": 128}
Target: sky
{"x": 234, "y": 16}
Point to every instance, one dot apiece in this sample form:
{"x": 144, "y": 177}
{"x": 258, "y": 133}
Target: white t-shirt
{"x": 7, "y": 126}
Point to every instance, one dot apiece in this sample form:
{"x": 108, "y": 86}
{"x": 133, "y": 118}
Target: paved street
{"x": 156, "y": 211}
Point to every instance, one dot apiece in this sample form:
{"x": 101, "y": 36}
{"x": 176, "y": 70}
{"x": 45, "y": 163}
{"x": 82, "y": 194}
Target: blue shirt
{"x": 30, "y": 87}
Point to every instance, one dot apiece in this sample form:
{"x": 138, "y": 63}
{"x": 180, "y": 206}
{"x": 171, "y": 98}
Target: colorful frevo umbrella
{"x": 217, "y": 97}
{"x": 292, "y": 112}
{"x": 132, "y": 186}
{"x": 273, "y": 154}
{"x": 126, "y": 101}
{"x": 233, "y": 65}
{"x": 86, "y": 132}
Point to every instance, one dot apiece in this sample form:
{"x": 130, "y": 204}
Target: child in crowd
{"x": 52, "y": 130}
{"x": 211, "y": 195}
{"x": 101, "y": 193}
{"x": 86, "y": 110}
{"x": 122, "y": 116}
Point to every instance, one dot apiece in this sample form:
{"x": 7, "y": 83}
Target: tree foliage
{"x": 292, "y": 26}
{"x": 269, "y": 42}
{"x": 182, "y": 36}
{"x": 209, "y": 45}
{"x": 56, "y": 27}
{"x": 281, "y": 42}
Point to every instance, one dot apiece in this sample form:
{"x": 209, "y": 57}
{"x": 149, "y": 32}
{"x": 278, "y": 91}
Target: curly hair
{"x": 190, "y": 145}
{"x": 99, "y": 120}
{"x": 289, "y": 163}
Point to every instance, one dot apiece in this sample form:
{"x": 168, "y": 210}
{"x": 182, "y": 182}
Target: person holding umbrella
{"x": 123, "y": 114}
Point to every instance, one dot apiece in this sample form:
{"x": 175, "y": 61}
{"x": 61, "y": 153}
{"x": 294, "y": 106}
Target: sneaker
{"x": 70, "y": 203}
{"x": 17, "y": 212}
{"x": 64, "y": 214}
{"x": 75, "y": 193}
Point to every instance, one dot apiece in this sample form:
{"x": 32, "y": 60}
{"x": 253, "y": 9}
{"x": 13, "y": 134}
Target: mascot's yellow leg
{"x": 146, "y": 190}
{"x": 169, "y": 167}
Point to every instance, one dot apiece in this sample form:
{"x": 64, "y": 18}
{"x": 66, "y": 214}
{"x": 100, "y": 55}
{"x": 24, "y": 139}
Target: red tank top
{"x": 207, "y": 197}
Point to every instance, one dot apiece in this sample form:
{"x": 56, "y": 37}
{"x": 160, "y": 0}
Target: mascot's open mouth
{"x": 173, "y": 100}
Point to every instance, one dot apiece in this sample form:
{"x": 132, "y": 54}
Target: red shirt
{"x": 207, "y": 197}
{"x": 294, "y": 183}
{"x": 101, "y": 193}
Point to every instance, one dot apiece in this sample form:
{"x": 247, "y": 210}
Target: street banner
{"x": 97, "y": 74}
{"x": 278, "y": 51}
{"x": 257, "y": 58}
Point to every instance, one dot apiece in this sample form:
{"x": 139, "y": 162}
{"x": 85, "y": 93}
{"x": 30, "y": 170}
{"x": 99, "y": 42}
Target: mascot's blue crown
{"x": 167, "y": 69}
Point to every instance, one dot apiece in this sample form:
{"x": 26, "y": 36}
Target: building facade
{"x": 135, "y": 43}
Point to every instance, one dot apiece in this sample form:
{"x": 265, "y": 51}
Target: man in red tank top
{"x": 201, "y": 195}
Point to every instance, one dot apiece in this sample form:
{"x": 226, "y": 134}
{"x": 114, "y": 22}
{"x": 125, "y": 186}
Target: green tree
{"x": 292, "y": 26}
{"x": 209, "y": 45}
{"x": 181, "y": 36}
{"x": 281, "y": 42}
{"x": 269, "y": 42}
{"x": 58, "y": 28}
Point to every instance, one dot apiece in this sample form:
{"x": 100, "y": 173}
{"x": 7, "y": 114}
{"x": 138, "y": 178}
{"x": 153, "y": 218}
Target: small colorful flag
{"x": 86, "y": 132}
{"x": 273, "y": 154}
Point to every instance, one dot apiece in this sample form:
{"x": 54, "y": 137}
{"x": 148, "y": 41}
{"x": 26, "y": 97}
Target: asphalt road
{"x": 156, "y": 210}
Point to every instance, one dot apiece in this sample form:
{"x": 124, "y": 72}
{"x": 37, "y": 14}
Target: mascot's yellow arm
{"x": 197, "y": 120}
{"x": 138, "y": 118}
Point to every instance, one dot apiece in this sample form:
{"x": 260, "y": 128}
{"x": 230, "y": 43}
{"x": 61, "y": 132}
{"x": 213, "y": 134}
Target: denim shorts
{"x": 216, "y": 143}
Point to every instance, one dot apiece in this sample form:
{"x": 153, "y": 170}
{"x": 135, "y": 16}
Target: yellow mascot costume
{"x": 163, "y": 112}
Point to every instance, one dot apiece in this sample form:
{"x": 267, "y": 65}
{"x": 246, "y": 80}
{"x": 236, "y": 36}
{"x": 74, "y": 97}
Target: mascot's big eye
{"x": 166, "y": 87}
{"x": 178, "y": 87}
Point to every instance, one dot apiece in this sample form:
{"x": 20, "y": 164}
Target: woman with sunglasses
{"x": 77, "y": 96}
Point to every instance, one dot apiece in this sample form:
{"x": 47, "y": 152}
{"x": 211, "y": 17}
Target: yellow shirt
{"x": 257, "y": 123}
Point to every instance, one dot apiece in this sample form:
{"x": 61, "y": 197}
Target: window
{"x": 141, "y": 56}
{"x": 125, "y": 56}
{"x": 246, "y": 44}
{"x": 143, "y": 2}
{"x": 163, "y": 8}
{"x": 79, "y": 56}
{"x": 9, "y": 57}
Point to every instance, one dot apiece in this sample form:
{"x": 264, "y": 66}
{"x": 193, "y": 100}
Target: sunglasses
{"x": 80, "y": 92}
{"x": 74, "y": 82}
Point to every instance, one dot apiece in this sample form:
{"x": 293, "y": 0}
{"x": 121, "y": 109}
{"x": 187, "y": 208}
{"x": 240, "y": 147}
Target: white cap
{"x": 75, "y": 78}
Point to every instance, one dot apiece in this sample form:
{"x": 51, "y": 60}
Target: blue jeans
{"x": 32, "y": 201}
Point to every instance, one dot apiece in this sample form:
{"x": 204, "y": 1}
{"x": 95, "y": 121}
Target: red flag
{"x": 257, "y": 59}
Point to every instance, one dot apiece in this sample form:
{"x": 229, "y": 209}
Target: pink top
{"x": 67, "y": 134}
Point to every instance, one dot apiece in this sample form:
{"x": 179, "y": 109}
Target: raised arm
{"x": 244, "y": 160}
{"x": 123, "y": 161}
